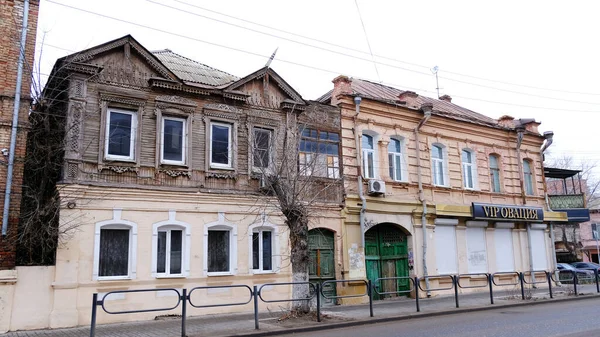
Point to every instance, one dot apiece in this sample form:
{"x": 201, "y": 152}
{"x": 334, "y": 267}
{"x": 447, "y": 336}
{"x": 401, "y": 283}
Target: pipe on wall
{"x": 426, "y": 108}
{"x": 363, "y": 207}
{"x": 15, "y": 121}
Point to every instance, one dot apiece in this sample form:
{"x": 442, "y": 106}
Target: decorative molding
{"x": 222, "y": 107}
{"x": 76, "y": 113}
{"x": 253, "y": 120}
{"x": 83, "y": 68}
{"x": 166, "y": 84}
{"x": 219, "y": 114}
{"x": 161, "y": 105}
{"x": 123, "y": 100}
{"x": 119, "y": 169}
{"x": 177, "y": 173}
{"x": 176, "y": 100}
{"x": 221, "y": 175}
{"x": 72, "y": 170}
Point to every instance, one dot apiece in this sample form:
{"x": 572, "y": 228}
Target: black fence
{"x": 452, "y": 282}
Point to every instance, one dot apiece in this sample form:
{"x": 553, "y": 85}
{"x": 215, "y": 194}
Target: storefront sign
{"x": 507, "y": 212}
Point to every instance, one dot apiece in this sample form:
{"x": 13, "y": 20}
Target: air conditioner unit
{"x": 376, "y": 187}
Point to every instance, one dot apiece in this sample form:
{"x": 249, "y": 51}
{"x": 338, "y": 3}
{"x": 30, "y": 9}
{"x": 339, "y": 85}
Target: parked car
{"x": 583, "y": 275}
{"x": 586, "y": 265}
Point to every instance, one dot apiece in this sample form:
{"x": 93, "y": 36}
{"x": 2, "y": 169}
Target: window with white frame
{"x": 396, "y": 160}
{"x": 438, "y": 166}
{"x": 221, "y": 145}
{"x": 494, "y": 173}
{"x": 170, "y": 251}
{"x": 368, "y": 156}
{"x": 262, "y": 249}
{"x": 261, "y": 148}
{"x": 115, "y": 249}
{"x": 220, "y": 247}
{"x": 120, "y": 137}
{"x": 469, "y": 169}
{"x": 528, "y": 176}
{"x": 173, "y": 141}
{"x": 319, "y": 153}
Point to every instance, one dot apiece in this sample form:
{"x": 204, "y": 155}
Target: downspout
{"x": 15, "y": 120}
{"x": 363, "y": 207}
{"x": 548, "y": 137}
{"x": 426, "y": 108}
{"x": 520, "y": 131}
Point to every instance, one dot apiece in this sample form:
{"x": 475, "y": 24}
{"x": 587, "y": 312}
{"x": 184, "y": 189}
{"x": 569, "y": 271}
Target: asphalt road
{"x": 567, "y": 319}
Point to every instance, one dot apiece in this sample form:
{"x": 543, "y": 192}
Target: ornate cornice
{"x": 222, "y": 107}
{"x": 177, "y": 173}
{"x": 221, "y": 175}
{"x": 123, "y": 100}
{"x": 118, "y": 169}
{"x": 176, "y": 100}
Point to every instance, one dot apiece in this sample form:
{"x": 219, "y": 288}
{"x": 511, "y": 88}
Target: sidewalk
{"x": 334, "y": 316}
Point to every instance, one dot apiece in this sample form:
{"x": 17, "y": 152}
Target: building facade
{"x": 436, "y": 189}
{"x": 162, "y": 183}
{"x": 590, "y": 241}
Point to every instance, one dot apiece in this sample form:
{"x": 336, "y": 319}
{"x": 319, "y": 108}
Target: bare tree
{"x": 299, "y": 174}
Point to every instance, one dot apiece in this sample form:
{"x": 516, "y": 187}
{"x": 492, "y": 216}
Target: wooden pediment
{"x": 121, "y": 61}
{"x": 267, "y": 89}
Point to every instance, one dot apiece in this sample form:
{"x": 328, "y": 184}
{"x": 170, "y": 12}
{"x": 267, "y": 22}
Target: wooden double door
{"x": 321, "y": 245}
{"x": 386, "y": 255}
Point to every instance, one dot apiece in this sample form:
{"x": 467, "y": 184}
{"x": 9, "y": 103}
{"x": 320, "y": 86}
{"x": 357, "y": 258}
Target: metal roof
{"x": 189, "y": 70}
{"x": 380, "y": 92}
{"x": 559, "y": 173}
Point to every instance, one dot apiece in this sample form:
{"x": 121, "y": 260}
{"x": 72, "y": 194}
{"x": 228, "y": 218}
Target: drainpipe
{"x": 520, "y": 131}
{"x": 15, "y": 121}
{"x": 548, "y": 141}
{"x": 426, "y": 108}
{"x": 363, "y": 207}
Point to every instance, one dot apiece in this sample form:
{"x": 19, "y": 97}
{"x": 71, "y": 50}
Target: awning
{"x": 576, "y": 214}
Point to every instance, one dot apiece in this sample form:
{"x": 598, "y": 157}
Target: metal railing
{"x": 257, "y": 294}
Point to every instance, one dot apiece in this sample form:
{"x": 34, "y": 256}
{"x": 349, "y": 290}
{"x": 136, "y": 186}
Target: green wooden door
{"x": 386, "y": 255}
{"x": 322, "y": 260}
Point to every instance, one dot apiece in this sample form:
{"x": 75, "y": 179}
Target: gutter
{"x": 363, "y": 207}
{"x": 520, "y": 133}
{"x": 15, "y": 120}
{"x": 426, "y": 108}
{"x": 548, "y": 135}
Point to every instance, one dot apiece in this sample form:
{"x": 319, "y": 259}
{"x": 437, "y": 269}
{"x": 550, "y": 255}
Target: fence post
{"x": 549, "y": 277}
{"x": 522, "y": 280}
{"x": 184, "y": 300}
{"x": 370, "y": 292}
{"x": 490, "y": 276}
{"x": 455, "y": 281}
{"x": 417, "y": 293}
{"x": 597, "y": 284}
{"x": 575, "y": 280}
{"x": 255, "y": 295}
{"x": 318, "y": 301}
{"x": 94, "y": 311}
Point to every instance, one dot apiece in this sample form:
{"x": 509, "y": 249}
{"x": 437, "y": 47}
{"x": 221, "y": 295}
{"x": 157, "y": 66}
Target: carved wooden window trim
{"x": 130, "y": 105}
{"x": 233, "y": 132}
{"x": 174, "y": 113}
{"x": 272, "y": 147}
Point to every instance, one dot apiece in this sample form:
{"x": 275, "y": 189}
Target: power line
{"x": 367, "y": 38}
{"x": 293, "y": 62}
{"x": 381, "y": 56}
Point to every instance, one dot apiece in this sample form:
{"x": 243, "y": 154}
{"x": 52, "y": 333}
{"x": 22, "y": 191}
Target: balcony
{"x": 565, "y": 201}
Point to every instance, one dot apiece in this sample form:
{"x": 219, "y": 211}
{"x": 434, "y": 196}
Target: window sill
{"x": 170, "y": 163}
{"x": 113, "y": 278}
{"x": 228, "y": 273}
{"x": 121, "y": 160}
{"x": 169, "y": 276}
{"x": 217, "y": 167}
{"x": 259, "y": 272}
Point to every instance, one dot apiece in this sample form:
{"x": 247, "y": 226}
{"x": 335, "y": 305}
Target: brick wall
{"x": 11, "y": 20}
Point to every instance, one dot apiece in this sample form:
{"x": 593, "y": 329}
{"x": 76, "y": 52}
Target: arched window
{"x": 171, "y": 241}
{"x": 469, "y": 169}
{"x": 528, "y": 177}
{"x": 438, "y": 166}
{"x": 494, "y": 173}
{"x": 396, "y": 160}
{"x": 115, "y": 249}
{"x": 220, "y": 247}
{"x": 368, "y": 156}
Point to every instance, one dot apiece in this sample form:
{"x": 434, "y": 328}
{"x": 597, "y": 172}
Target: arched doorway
{"x": 386, "y": 255}
{"x": 321, "y": 246}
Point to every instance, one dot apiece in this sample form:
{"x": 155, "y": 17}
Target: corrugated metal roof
{"x": 189, "y": 70}
{"x": 380, "y": 92}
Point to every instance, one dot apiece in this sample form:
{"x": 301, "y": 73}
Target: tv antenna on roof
{"x": 437, "y": 85}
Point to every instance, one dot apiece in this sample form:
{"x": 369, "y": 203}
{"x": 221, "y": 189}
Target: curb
{"x": 331, "y": 326}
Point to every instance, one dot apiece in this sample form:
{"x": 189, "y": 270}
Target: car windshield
{"x": 566, "y": 266}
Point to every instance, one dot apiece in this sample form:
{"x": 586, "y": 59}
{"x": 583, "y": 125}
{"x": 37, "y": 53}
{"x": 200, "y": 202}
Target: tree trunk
{"x": 300, "y": 259}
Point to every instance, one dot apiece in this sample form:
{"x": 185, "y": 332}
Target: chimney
{"x": 446, "y": 98}
{"x": 507, "y": 121}
{"x": 530, "y": 124}
{"x": 342, "y": 85}
{"x": 407, "y": 94}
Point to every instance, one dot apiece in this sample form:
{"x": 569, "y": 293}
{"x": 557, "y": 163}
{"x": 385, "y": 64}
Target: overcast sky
{"x": 526, "y": 59}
